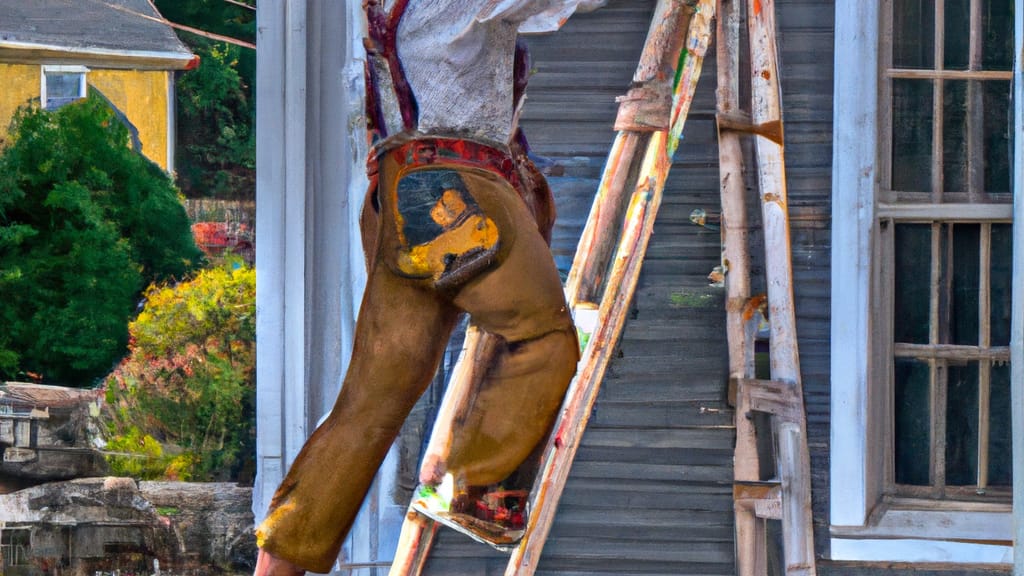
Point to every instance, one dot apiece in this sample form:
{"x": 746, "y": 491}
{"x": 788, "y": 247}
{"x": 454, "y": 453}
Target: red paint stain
{"x": 757, "y": 7}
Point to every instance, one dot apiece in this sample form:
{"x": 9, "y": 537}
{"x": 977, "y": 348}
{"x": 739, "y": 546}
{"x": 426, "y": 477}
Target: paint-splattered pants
{"x": 483, "y": 255}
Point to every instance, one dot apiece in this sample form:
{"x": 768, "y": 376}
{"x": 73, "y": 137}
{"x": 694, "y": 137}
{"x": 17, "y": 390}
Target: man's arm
{"x": 536, "y": 16}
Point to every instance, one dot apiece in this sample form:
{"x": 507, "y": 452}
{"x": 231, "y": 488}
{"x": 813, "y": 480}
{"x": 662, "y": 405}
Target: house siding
{"x": 21, "y": 86}
{"x": 141, "y": 95}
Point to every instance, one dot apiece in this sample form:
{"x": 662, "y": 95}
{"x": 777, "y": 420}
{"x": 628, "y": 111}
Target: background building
{"x": 53, "y": 52}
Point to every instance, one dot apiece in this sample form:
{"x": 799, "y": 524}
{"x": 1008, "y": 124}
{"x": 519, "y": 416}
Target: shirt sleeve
{"x": 535, "y": 16}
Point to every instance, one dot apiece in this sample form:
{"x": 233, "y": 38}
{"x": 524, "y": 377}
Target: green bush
{"x": 189, "y": 380}
{"x": 140, "y": 456}
{"x": 85, "y": 223}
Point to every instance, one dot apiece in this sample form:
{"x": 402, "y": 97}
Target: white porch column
{"x": 309, "y": 265}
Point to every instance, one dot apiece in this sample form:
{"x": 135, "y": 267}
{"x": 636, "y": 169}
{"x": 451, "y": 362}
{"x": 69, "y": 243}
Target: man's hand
{"x": 269, "y": 565}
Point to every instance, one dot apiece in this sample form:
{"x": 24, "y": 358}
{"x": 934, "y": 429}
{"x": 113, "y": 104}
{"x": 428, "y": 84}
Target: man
{"x": 456, "y": 221}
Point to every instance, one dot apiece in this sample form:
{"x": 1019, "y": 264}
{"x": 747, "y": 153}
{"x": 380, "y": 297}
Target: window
{"x": 62, "y": 85}
{"x": 944, "y": 245}
{"x": 15, "y": 547}
{"x": 922, "y": 292}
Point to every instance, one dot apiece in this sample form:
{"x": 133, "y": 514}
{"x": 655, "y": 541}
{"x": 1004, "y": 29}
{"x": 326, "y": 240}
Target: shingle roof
{"x": 89, "y": 26}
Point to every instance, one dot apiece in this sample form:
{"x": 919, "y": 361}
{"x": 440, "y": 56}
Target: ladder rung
{"x": 765, "y": 498}
{"x": 775, "y": 397}
{"x": 742, "y": 123}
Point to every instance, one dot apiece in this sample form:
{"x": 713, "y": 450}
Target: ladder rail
{"x": 794, "y": 462}
{"x": 621, "y": 285}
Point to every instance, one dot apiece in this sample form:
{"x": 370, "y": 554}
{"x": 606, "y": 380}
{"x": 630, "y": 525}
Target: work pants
{"x": 401, "y": 333}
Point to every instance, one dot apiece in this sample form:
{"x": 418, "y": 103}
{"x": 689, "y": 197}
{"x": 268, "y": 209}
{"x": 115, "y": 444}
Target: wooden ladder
{"x": 787, "y": 497}
{"x": 604, "y": 272}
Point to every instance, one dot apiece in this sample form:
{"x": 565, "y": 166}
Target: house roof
{"x": 118, "y": 33}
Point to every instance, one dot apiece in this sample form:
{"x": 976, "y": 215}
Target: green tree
{"x": 189, "y": 379}
{"x": 85, "y": 223}
{"x": 216, "y": 111}
{"x": 217, "y": 145}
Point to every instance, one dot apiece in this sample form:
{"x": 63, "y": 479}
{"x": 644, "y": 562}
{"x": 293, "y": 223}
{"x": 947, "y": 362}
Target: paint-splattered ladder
{"x": 604, "y": 272}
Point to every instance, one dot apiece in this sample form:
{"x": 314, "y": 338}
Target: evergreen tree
{"x": 85, "y": 224}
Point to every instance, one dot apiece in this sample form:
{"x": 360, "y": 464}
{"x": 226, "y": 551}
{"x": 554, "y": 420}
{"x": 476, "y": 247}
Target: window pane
{"x": 913, "y": 422}
{"x": 913, "y": 283}
{"x": 1001, "y": 271}
{"x": 962, "y": 425}
{"x": 998, "y": 144}
{"x": 913, "y": 32}
{"x": 912, "y": 135}
{"x": 997, "y": 45}
{"x": 1000, "y": 463}
{"x": 956, "y": 52}
{"x": 62, "y": 89}
{"x": 63, "y": 85}
{"x": 954, "y": 137}
{"x": 966, "y": 267}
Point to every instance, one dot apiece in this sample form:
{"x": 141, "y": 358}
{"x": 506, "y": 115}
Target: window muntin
{"x": 947, "y": 133}
{"x": 945, "y": 148}
{"x": 951, "y": 317}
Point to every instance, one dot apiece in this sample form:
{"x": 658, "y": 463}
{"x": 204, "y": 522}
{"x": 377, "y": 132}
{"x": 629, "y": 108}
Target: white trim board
{"x": 913, "y": 550}
{"x": 1017, "y": 329}
{"x": 853, "y": 189}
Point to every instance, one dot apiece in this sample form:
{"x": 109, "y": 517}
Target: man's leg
{"x": 401, "y": 333}
{"x": 521, "y": 301}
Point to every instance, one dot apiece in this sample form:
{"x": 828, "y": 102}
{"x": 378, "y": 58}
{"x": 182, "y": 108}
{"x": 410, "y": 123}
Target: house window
{"x": 944, "y": 241}
{"x": 923, "y": 178}
{"x": 62, "y": 85}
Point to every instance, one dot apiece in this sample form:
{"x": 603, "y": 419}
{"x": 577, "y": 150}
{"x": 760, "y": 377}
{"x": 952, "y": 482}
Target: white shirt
{"x": 458, "y": 57}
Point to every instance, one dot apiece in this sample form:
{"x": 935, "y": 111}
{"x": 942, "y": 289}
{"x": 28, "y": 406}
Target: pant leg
{"x": 521, "y": 301}
{"x": 401, "y": 334}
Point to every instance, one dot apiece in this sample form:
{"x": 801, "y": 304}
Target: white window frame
{"x": 62, "y": 69}
{"x": 863, "y": 526}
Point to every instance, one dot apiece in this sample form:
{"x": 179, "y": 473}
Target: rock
{"x": 114, "y": 524}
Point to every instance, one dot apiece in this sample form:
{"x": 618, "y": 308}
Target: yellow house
{"x": 53, "y": 52}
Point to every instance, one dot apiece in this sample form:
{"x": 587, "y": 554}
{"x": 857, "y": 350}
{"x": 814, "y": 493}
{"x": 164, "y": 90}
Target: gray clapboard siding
{"x": 806, "y": 38}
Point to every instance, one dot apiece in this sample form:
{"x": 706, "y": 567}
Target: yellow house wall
{"x": 20, "y": 84}
{"x": 141, "y": 95}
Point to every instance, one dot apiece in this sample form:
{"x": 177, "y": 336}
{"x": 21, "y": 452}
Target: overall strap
{"x": 382, "y": 53}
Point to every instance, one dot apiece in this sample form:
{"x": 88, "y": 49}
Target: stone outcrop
{"x": 86, "y": 526}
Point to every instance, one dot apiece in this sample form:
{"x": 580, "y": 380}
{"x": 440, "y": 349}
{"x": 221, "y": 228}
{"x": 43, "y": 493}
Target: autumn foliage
{"x": 182, "y": 401}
